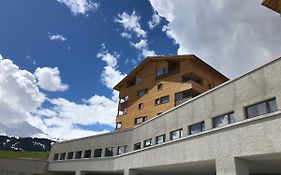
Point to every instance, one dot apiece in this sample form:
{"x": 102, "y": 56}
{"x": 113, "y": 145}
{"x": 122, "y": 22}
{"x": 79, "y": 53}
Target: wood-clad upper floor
{"x": 274, "y": 5}
{"x": 159, "y": 83}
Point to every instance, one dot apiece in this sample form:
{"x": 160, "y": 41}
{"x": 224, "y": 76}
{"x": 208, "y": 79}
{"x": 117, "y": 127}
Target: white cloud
{"x": 19, "y": 94}
{"x": 131, "y": 23}
{"x": 143, "y": 47}
{"x": 49, "y": 79}
{"x": 233, "y": 36}
{"x": 23, "y": 114}
{"x": 57, "y": 37}
{"x": 126, "y": 35}
{"x": 110, "y": 75}
{"x": 155, "y": 21}
{"x": 80, "y": 6}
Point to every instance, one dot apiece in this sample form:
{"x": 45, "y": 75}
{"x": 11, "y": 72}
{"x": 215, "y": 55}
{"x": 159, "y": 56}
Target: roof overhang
{"x": 274, "y": 5}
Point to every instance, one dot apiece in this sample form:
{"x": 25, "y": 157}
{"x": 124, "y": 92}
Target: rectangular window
{"x": 161, "y": 71}
{"x": 147, "y": 142}
{"x": 176, "y": 134}
{"x": 97, "y": 152}
{"x": 70, "y": 155}
{"x": 196, "y": 128}
{"x": 142, "y": 92}
{"x": 78, "y": 155}
{"x": 137, "y": 146}
{"x": 87, "y": 154}
{"x": 160, "y": 139}
{"x": 138, "y": 81}
{"x": 118, "y": 125}
{"x": 261, "y": 108}
{"x": 159, "y": 86}
{"x": 108, "y": 152}
{"x": 162, "y": 100}
{"x": 62, "y": 156}
{"x": 140, "y": 120}
{"x": 141, "y": 106}
{"x": 122, "y": 149}
{"x": 192, "y": 77}
{"x": 223, "y": 120}
{"x": 56, "y": 156}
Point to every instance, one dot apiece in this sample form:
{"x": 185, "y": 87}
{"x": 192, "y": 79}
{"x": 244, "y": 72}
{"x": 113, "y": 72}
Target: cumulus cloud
{"x": 131, "y": 25}
{"x": 49, "y": 79}
{"x": 155, "y": 21}
{"x": 233, "y": 36}
{"x": 26, "y": 111}
{"x": 110, "y": 75}
{"x": 19, "y": 95}
{"x": 80, "y": 6}
{"x": 57, "y": 37}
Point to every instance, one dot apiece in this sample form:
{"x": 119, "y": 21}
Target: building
{"x": 232, "y": 129}
{"x": 160, "y": 83}
{"x": 274, "y": 5}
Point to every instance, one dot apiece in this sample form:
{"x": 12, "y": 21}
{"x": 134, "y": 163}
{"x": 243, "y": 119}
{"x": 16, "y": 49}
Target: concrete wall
{"x": 220, "y": 146}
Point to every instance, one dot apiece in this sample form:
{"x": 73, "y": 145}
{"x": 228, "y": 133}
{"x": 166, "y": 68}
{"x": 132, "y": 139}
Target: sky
{"x": 60, "y": 58}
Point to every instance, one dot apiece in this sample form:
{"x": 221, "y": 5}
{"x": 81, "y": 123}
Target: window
{"x": 56, "y": 156}
{"x": 159, "y": 86}
{"x": 137, "y": 146}
{"x": 87, "y": 154}
{"x": 108, "y": 152}
{"x": 161, "y": 71}
{"x": 122, "y": 149}
{"x": 196, "y": 128}
{"x": 141, "y": 106}
{"x": 78, "y": 155}
{"x": 147, "y": 142}
{"x": 97, "y": 152}
{"x": 118, "y": 125}
{"x": 176, "y": 134}
{"x": 70, "y": 155}
{"x": 162, "y": 100}
{"x": 192, "y": 77}
{"x": 138, "y": 81}
{"x": 160, "y": 139}
{"x": 140, "y": 120}
{"x": 223, "y": 120}
{"x": 142, "y": 92}
{"x": 261, "y": 108}
{"x": 62, "y": 156}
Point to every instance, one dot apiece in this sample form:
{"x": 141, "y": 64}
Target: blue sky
{"x": 75, "y": 51}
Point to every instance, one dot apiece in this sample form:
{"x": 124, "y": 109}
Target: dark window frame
{"x": 78, "y": 153}
{"x": 144, "y": 118}
{"x": 230, "y": 121}
{"x": 159, "y": 101}
{"x": 142, "y": 92}
{"x": 144, "y": 143}
{"x": 202, "y": 127}
{"x": 62, "y": 156}
{"x": 70, "y": 155}
{"x": 164, "y": 138}
{"x": 267, "y": 106}
{"x": 87, "y": 154}
{"x": 177, "y": 130}
{"x": 125, "y": 149}
{"x": 159, "y": 86}
{"x": 109, "y": 151}
{"x": 56, "y": 156}
{"x": 140, "y": 106}
{"x": 98, "y": 152}
{"x": 137, "y": 146}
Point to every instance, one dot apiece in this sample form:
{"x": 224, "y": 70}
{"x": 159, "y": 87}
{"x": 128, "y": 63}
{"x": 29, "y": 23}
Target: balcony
{"x": 184, "y": 96}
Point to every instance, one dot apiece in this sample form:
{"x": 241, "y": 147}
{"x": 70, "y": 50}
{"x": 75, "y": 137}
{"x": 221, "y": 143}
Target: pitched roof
{"x": 150, "y": 58}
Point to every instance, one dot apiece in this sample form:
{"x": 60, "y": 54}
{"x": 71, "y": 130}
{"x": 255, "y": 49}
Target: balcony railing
{"x": 175, "y": 71}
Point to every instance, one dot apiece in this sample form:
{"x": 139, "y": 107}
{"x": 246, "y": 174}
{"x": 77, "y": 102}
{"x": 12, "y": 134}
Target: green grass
{"x": 24, "y": 155}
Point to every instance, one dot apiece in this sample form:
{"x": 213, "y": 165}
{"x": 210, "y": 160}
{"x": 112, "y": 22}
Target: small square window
{"x": 78, "y": 155}
{"x": 98, "y": 152}
{"x": 87, "y": 154}
{"x": 160, "y": 139}
{"x": 122, "y": 149}
{"x": 141, "y": 106}
{"x": 137, "y": 146}
{"x": 118, "y": 125}
{"x": 56, "y": 156}
{"x": 159, "y": 86}
{"x": 62, "y": 156}
{"x": 108, "y": 152}
{"x": 196, "y": 128}
{"x": 70, "y": 155}
{"x": 176, "y": 134}
{"x": 147, "y": 142}
{"x": 140, "y": 120}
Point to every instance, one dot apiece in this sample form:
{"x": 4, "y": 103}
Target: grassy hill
{"x": 24, "y": 155}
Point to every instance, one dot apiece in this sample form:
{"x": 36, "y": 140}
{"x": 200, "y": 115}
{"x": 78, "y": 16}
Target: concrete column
{"x": 129, "y": 172}
{"x": 79, "y": 172}
{"x": 231, "y": 166}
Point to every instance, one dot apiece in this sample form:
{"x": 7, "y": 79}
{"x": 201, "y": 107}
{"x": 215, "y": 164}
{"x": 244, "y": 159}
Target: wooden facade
{"x": 274, "y": 5}
{"x": 160, "y": 83}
